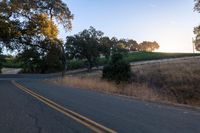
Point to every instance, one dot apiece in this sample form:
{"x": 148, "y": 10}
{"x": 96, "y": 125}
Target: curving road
{"x": 34, "y": 106}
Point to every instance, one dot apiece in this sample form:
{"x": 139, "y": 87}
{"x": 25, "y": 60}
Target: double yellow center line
{"x": 98, "y": 128}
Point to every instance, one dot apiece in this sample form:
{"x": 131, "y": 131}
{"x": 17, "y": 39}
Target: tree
{"x": 119, "y": 46}
{"x": 128, "y": 44}
{"x": 197, "y": 29}
{"x": 53, "y": 59}
{"x": 197, "y": 5}
{"x": 133, "y": 45}
{"x": 10, "y": 32}
{"x": 31, "y": 60}
{"x": 30, "y": 17}
{"x": 148, "y": 46}
{"x": 27, "y": 24}
{"x": 42, "y": 61}
{"x": 85, "y": 45}
{"x": 106, "y": 46}
{"x": 197, "y": 39}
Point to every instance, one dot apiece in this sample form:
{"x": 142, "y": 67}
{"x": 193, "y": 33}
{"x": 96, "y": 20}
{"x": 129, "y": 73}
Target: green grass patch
{"x": 145, "y": 56}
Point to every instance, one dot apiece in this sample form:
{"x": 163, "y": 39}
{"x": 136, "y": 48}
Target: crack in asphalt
{"x": 73, "y": 130}
{"x": 36, "y": 122}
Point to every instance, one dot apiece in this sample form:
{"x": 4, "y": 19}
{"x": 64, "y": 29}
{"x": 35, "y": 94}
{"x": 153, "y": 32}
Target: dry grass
{"x": 175, "y": 82}
{"x": 88, "y": 83}
{"x": 93, "y": 81}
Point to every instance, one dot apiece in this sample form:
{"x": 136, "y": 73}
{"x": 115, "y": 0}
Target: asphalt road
{"x": 21, "y": 112}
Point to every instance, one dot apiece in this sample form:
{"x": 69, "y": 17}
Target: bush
{"x": 117, "y": 70}
{"x": 75, "y": 64}
{"x": 12, "y": 62}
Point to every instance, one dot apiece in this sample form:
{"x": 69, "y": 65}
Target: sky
{"x": 169, "y": 22}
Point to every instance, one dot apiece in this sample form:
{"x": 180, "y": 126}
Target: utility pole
{"x": 193, "y": 45}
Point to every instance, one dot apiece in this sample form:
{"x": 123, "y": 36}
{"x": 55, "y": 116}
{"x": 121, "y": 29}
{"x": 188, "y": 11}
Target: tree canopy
{"x": 148, "y": 46}
{"x": 28, "y": 22}
{"x": 84, "y": 45}
{"x": 197, "y": 28}
{"x": 32, "y": 26}
{"x": 197, "y": 5}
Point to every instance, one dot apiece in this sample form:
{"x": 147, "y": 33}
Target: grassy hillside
{"x": 142, "y": 56}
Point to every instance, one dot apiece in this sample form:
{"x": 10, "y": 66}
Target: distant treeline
{"x": 91, "y": 44}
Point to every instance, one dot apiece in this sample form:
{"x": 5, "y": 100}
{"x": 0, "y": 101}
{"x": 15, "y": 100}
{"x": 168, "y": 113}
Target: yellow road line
{"x": 75, "y": 116}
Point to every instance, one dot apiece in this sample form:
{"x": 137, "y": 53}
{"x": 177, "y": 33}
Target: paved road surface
{"x": 22, "y": 113}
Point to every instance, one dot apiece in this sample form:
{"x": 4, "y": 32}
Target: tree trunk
{"x": 63, "y": 60}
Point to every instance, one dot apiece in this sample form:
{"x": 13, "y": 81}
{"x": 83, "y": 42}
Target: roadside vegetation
{"x": 171, "y": 82}
{"x": 117, "y": 69}
{"x": 11, "y": 62}
{"x": 16, "y": 62}
{"x": 130, "y": 57}
{"x": 1, "y": 60}
{"x": 90, "y": 48}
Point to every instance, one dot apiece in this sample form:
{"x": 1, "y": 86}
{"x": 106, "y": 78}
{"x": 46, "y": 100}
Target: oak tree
{"x": 29, "y": 24}
{"x": 85, "y": 45}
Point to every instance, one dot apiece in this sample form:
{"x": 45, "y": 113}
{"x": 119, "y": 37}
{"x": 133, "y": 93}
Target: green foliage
{"x": 52, "y": 62}
{"x": 144, "y": 56}
{"x": 26, "y": 23}
{"x": 106, "y": 45}
{"x": 31, "y": 60}
{"x": 117, "y": 70}
{"x": 10, "y": 32}
{"x": 11, "y": 62}
{"x": 41, "y": 25}
{"x": 76, "y": 64}
{"x": 43, "y": 61}
{"x": 84, "y": 45}
{"x": 130, "y": 57}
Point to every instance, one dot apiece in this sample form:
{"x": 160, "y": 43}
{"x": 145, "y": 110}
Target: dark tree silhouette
{"x": 85, "y": 45}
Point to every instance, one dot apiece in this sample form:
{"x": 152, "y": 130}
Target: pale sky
{"x": 169, "y": 22}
